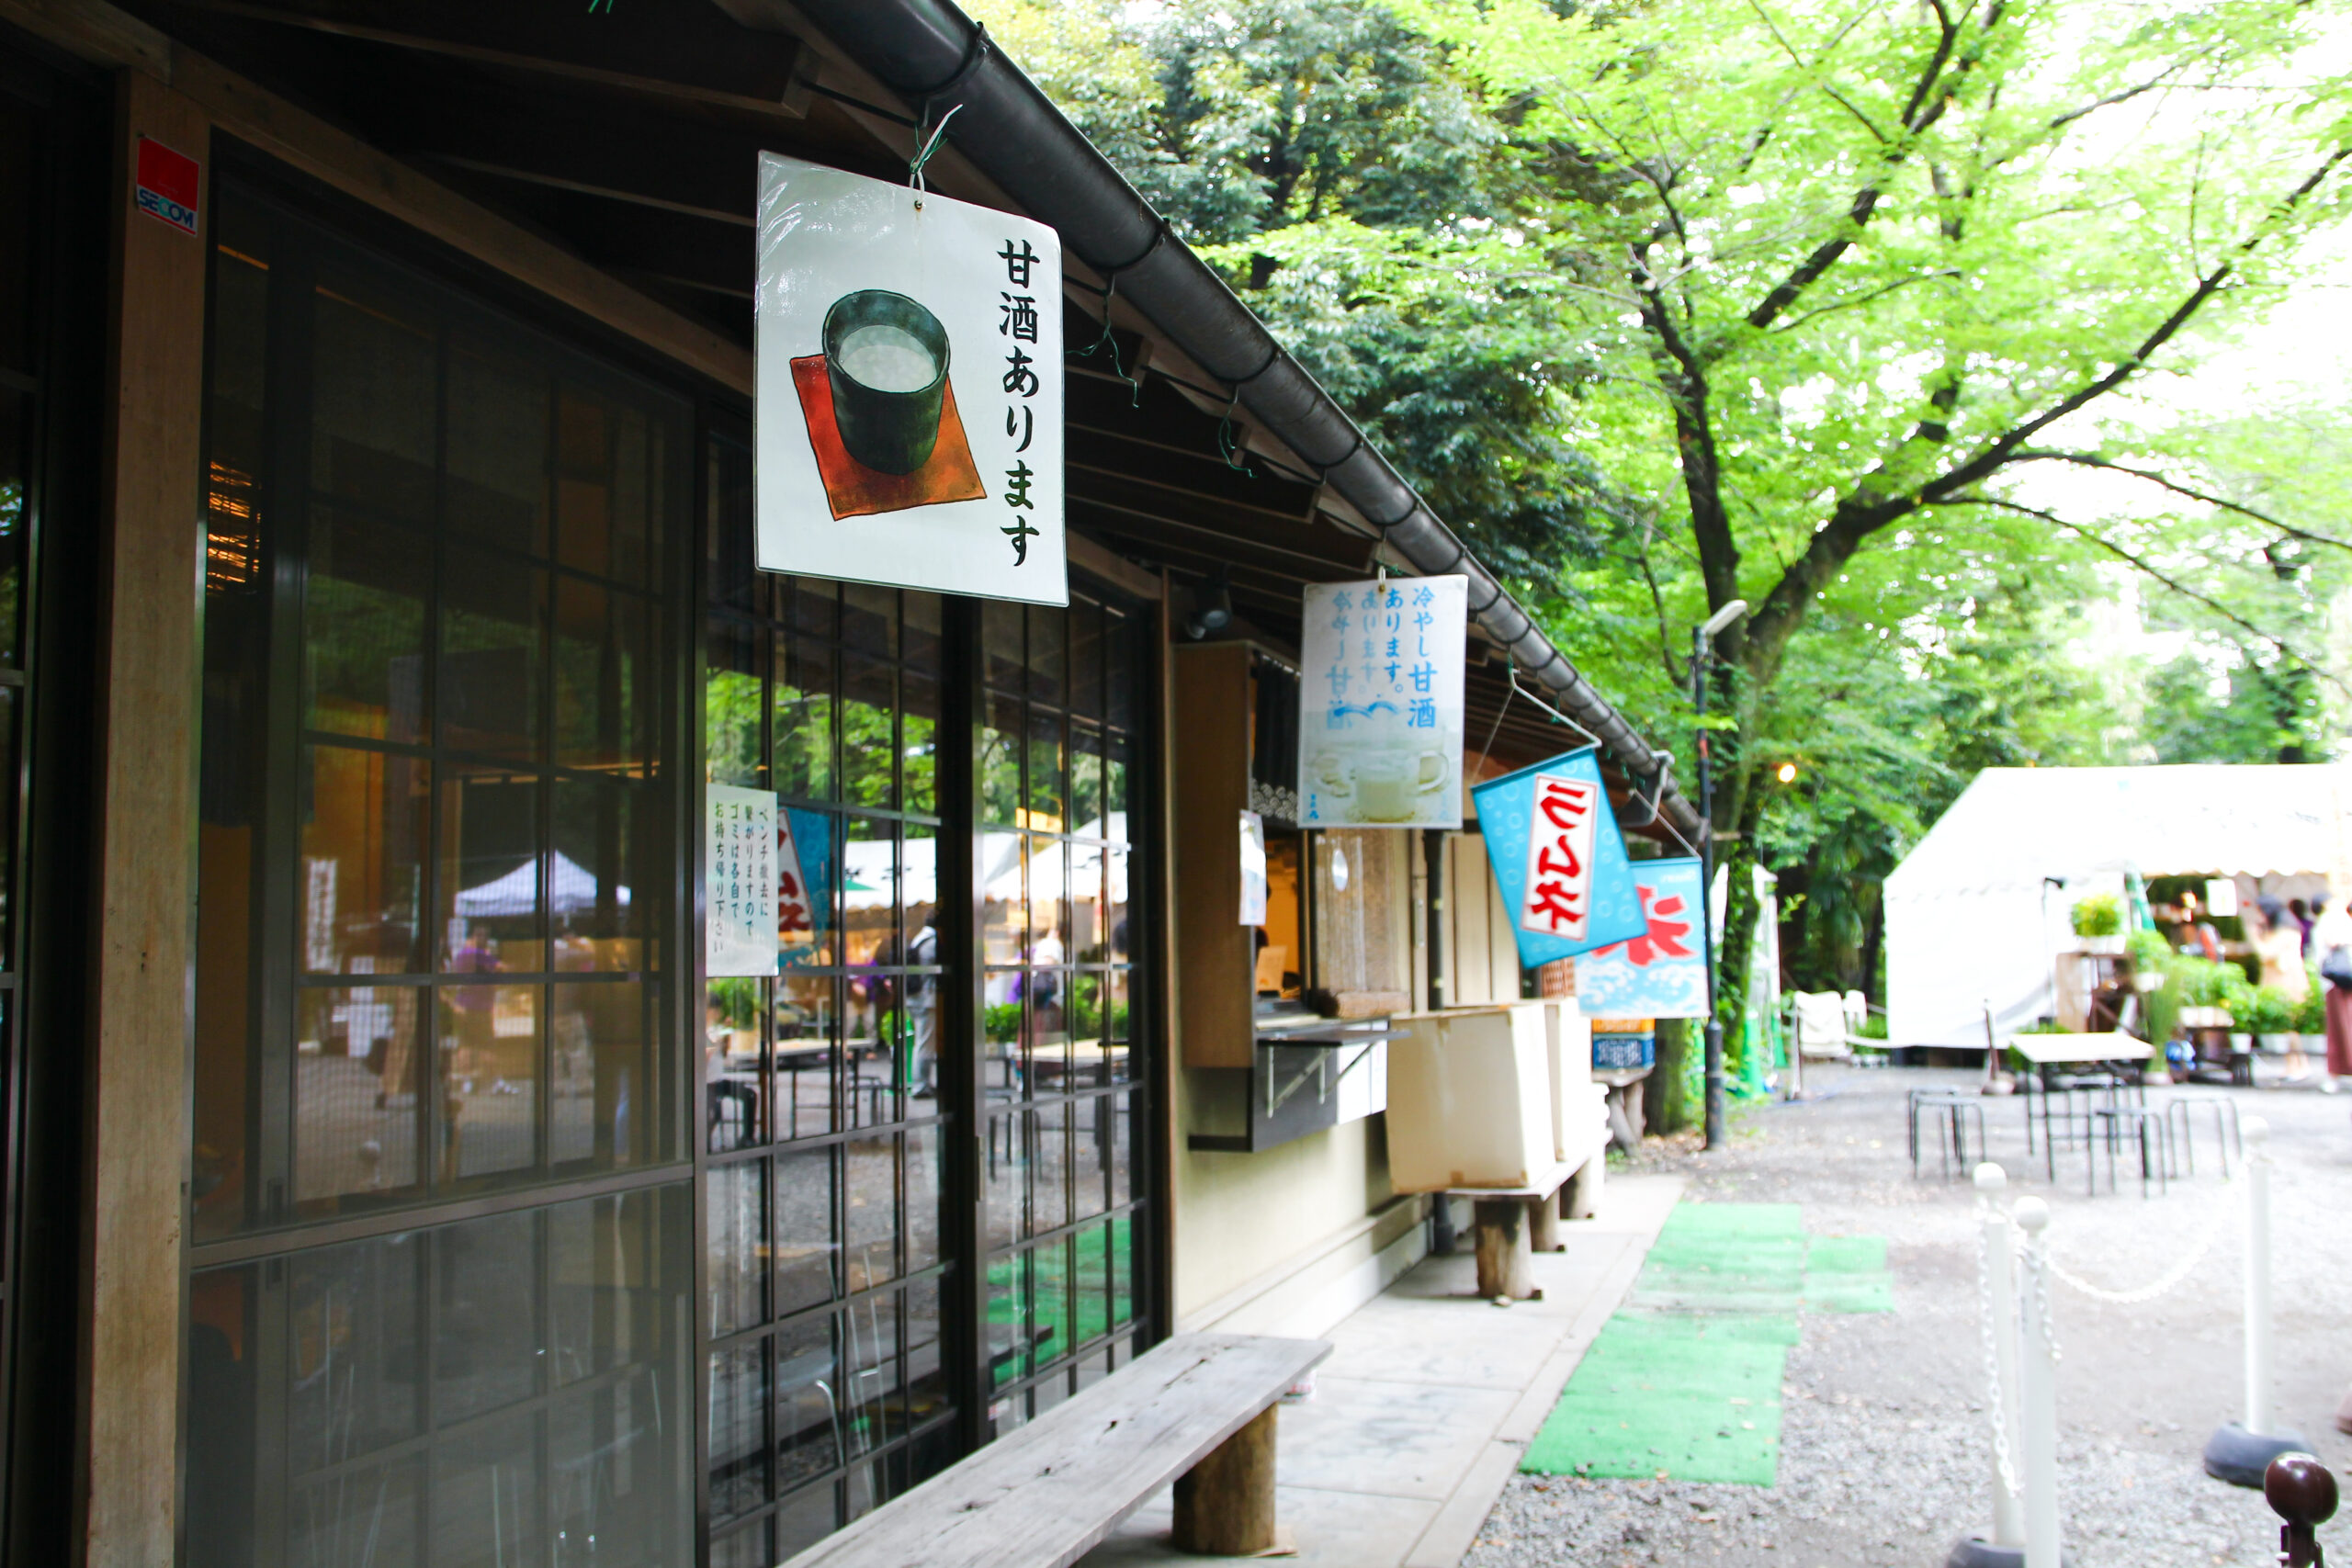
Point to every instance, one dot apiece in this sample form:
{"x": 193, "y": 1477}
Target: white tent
{"x": 571, "y": 889}
{"x": 1976, "y": 913}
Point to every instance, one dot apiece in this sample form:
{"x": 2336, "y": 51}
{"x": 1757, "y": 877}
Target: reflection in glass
{"x": 1118, "y": 764}
{"x": 870, "y": 619}
{"x": 919, "y": 742}
{"x": 363, "y": 845}
{"x": 607, "y": 700}
{"x": 493, "y": 629}
{"x": 924, "y": 1152}
{"x": 1049, "y": 1167}
{"x": 1048, "y": 653}
{"x": 1000, "y": 649}
{"x": 497, "y": 484}
{"x": 926, "y": 1364}
{"x": 923, "y": 612}
{"x": 1008, "y": 1318}
{"x": 731, "y": 697}
{"x": 357, "y": 1115}
{"x": 999, "y": 762}
{"x": 369, "y": 1515}
{"x": 492, "y": 875}
{"x": 731, "y": 1076}
{"x": 355, "y": 1313}
{"x": 870, "y": 1347}
{"x": 1005, "y": 1173}
{"x": 804, "y": 1251}
{"x": 869, "y": 1235}
{"x": 1086, "y": 781}
{"x": 490, "y": 1048}
{"x": 487, "y": 1312}
{"x": 735, "y": 1208}
{"x": 602, "y": 1075}
{"x": 604, "y": 854}
{"x": 808, "y": 1414}
{"x": 739, "y": 1434}
{"x": 807, "y": 1022}
{"x": 1089, "y": 1147}
{"x": 373, "y": 390}
{"x": 1048, "y": 785}
{"x": 486, "y": 1496}
{"x": 869, "y": 743}
{"x": 804, "y": 719}
{"x": 363, "y": 626}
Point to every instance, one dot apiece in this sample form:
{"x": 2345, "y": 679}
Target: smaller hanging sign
{"x": 1380, "y": 702}
{"x": 1662, "y": 973}
{"x": 165, "y": 183}
{"x": 1253, "y": 869}
{"x": 1558, "y": 858}
{"x": 739, "y": 889}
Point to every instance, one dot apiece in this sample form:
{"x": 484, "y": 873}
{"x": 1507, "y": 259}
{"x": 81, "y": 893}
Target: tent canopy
{"x": 1975, "y": 913}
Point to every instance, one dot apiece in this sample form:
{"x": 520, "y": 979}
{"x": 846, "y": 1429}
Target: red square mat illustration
{"x": 852, "y": 488}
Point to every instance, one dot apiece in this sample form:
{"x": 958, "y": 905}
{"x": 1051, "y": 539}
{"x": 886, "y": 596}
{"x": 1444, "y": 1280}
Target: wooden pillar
{"x": 1580, "y": 1198}
{"x": 152, "y": 590}
{"x": 1544, "y": 1224}
{"x": 1504, "y": 1261}
{"x": 1225, "y": 1505}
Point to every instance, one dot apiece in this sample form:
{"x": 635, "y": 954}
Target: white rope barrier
{"x": 2171, "y": 1277}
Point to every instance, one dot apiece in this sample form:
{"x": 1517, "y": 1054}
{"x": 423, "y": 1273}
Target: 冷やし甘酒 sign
{"x": 1380, "y": 702}
{"x": 909, "y": 389}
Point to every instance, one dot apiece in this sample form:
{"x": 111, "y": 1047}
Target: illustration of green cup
{"x": 885, "y": 357}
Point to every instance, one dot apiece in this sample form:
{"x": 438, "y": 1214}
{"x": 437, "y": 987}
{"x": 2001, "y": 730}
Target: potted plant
{"x": 2311, "y": 1014}
{"x": 2206, "y": 989}
{"x": 2269, "y": 1017}
{"x": 2098, "y": 922}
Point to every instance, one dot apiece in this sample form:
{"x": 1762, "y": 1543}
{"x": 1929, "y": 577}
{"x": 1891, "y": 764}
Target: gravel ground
{"x": 1885, "y": 1456}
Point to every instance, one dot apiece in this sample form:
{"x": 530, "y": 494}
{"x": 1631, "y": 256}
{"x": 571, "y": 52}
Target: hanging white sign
{"x": 739, "y": 886}
{"x": 908, "y": 415}
{"x": 1380, "y": 704}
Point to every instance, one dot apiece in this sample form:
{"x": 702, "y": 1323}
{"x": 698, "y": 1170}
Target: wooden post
{"x": 137, "y": 1111}
{"x": 1580, "y": 1198}
{"x": 1544, "y": 1224}
{"x": 1504, "y": 1260}
{"x": 1225, "y": 1505}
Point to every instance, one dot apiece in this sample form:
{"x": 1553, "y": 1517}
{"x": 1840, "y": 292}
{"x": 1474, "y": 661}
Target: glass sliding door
{"x": 442, "y": 1216}
{"x": 1061, "y": 1080}
{"x": 953, "y": 1028}
{"x": 824, "y": 1126}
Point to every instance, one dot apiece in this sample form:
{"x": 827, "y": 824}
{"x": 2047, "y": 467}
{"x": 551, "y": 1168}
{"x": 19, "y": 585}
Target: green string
{"x": 1134, "y": 383}
{"x": 914, "y": 165}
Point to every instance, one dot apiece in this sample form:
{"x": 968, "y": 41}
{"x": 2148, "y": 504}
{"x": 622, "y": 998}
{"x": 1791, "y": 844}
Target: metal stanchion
{"x": 2241, "y": 1451}
{"x": 1997, "y": 1285}
{"x": 2038, "y": 1389}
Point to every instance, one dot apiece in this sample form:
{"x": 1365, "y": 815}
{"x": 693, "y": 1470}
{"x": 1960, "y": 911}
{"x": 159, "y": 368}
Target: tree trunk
{"x": 1741, "y": 909}
{"x": 1664, "y": 1105}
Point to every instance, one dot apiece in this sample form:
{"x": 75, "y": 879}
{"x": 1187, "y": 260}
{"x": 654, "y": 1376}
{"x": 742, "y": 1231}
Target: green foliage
{"x": 2265, "y": 1012}
{"x": 2149, "y": 952}
{"x": 2216, "y": 983}
{"x": 738, "y": 1001}
{"x": 2101, "y": 914}
{"x": 2311, "y": 1013}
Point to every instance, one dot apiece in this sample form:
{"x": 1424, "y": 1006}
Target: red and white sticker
{"x": 1559, "y": 857}
{"x": 165, "y": 185}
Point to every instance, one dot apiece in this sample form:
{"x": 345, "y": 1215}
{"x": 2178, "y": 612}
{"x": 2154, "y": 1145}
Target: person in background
{"x": 2332, "y": 946}
{"x": 2279, "y": 944}
{"x": 2303, "y": 917}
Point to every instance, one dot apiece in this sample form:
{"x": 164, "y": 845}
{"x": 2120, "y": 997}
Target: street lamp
{"x": 1702, "y": 651}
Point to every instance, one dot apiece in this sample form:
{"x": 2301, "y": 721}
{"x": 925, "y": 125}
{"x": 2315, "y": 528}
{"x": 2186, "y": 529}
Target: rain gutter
{"x": 935, "y": 57}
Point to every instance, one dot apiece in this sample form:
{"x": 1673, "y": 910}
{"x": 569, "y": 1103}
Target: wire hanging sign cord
{"x": 930, "y": 145}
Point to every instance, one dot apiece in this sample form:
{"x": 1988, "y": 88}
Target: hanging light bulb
{"x": 1786, "y": 772}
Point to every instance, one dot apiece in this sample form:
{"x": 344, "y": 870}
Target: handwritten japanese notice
{"x": 1380, "y": 702}
{"x": 1558, "y": 858}
{"x": 1662, "y": 971}
{"x": 739, "y": 886}
{"x": 909, "y": 380}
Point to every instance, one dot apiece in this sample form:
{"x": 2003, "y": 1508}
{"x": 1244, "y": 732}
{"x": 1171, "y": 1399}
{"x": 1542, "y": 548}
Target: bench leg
{"x": 1580, "y": 1198}
{"x": 1225, "y": 1505}
{"x": 1504, "y": 1259}
{"x": 1544, "y": 1224}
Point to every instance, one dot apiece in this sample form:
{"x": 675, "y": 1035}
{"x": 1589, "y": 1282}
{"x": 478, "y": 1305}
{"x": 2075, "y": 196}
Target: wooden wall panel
{"x": 151, "y": 592}
{"x": 1209, "y": 774}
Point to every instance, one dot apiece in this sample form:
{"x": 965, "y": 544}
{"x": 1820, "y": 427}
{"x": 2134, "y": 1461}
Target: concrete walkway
{"x": 1430, "y": 1395}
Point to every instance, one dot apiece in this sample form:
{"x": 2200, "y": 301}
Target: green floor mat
{"x": 1684, "y": 1381}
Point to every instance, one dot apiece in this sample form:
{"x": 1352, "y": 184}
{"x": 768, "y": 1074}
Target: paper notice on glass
{"x": 1253, "y": 869}
{"x": 1380, "y": 704}
{"x": 740, "y": 881}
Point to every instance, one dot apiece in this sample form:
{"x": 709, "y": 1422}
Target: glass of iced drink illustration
{"x": 885, "y": 357}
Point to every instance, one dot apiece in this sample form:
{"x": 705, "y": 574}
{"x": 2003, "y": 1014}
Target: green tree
{"x": 1849, "y": 274}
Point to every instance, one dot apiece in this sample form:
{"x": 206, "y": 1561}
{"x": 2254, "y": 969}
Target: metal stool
{"x": 2225, "y": 1127}
{"x": 2148, "y": 1127}
{"x": 1953, "y": 1112}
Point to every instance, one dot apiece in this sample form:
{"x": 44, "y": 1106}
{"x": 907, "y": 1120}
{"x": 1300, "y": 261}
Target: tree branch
{"x": 1794, "y": 322}
{"x": 2139, "y": 564}
{"x": 2084, "y": 459}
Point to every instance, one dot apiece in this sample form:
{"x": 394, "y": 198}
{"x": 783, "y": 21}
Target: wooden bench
{"x": 1514, "y": 1222}
{"x": 1197, "y": 1411}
